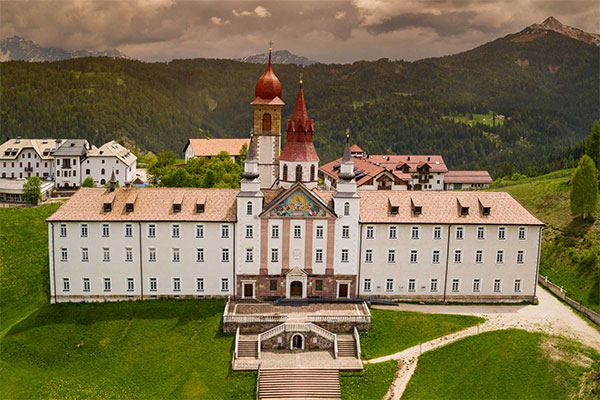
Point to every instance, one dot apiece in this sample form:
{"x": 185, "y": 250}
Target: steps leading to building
{"x": 301, "y": 383}
{"x": 248, "y": 348}
{"x": 346, "y": 348}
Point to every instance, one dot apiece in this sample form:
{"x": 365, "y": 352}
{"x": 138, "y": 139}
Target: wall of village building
{"x": 68, "y": 172}
{"x": 100, "y": 169}
{"x": 389, "y": 275}
{"x": 466, "y": 186}
{"x": 197, "y": 252}
{"x": 27, "y": 164}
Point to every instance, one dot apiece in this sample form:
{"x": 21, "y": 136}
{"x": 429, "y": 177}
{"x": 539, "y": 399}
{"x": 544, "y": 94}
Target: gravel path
{"x": 549, "y": 316}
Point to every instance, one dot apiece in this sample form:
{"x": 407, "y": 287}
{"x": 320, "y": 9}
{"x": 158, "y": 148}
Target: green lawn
{"x": 371, "y": 383}
{"x": 394, "y": 331}
{"x": 511, "y": 364}
{"x": 153, "y": 349}
{"x": 569, "y": 245}
{"x": 23, "y": 262}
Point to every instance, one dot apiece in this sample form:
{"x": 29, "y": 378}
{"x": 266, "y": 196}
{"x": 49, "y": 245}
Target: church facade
{"x": 282, "y": 236}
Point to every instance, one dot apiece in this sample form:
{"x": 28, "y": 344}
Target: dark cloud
{"x": 329, "y": 31}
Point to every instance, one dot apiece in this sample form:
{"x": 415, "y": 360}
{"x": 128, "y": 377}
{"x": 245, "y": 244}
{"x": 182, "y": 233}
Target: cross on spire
{"x": 270, "y": 45}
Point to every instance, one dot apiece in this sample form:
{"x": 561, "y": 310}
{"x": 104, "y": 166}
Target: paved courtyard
{"x": 298, "y": 359}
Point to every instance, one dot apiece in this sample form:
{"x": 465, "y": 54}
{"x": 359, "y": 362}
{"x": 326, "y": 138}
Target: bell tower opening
{"x": 266, "y": 123}
{"x": 298, "y": 173}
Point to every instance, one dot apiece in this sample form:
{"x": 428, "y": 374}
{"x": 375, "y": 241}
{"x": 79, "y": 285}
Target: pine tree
{"x": 584, "y": 188}
{"x": 592, "y": 145}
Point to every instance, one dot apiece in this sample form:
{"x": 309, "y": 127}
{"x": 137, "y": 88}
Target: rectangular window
{"x": 249, "y": 231}
{"x": 497, "y": 285}
{"x": 455, "y": 285}
{"x": 152, "y": 254}
{"x": 415, "y": 232}
{"x": 389, "y": 285}
{"x": 393, "y": 232}
{"x": 249, "y": 208}
{"x": 517, "y": 285}
{"x": 175, "y": 231}
{"x": 224, "y": 231}
{"x": 199, "y": 231}
{"x": 224, "y": 284}
{"x": 460, "y": 232}
{"x": 153, "y": 285}
{"x": 370, "y": 232}
{"x": 478, "y": 256}
{"x": 434, "y": 285}
{"x": 200, "y": 284}
{"x": 274, "y": 255}
{"x": 345, "y": 232}
{"x": 66, "y": 285}
{"x": 176, "y": 255}
{"x": 319, "y": 285}
{"x": 199, "y": 255}
{"x": 275, "y": 232}
{"x": 84, "y": 230}
{"x": 476, "y": 284}
{"x": 501, "y": 233}
{"x": 437, "y": 232}
{"x": 500, "y": 257}
{"x": 319, "y": 255}
{"x": 412, "y": 284}
{"x": 457, "y": 256}
{"x": 151, "y": 231}
{"x": 319, "y": 231}
{"x": 177, "y": 284}
{"x": 249, "y": 255}
{"x": 130, "y": 285}
{"x": 105, "y": 230}
{"x": 128, "y": 230}
{"x": 225, "y": 255}
{"x": 128, "y": 254}
{"x": 435, "y": 257}
{"x": 297, "y": 231}
{"x": 86, "y": 284}
{"x": 367, "y": 285}
{"x": 85, "y": 255}
{"x": 520, "y": 256}
{"x": 344, "y": 255}
{"x": 369, "y": 255}
{"x": 480, "y": 233}
{"x": 105, "y": 254}
{"x": 107, "y": 285}
{"x": 273, "y": 284}
{"x": 63, "y": 230}
{"x": 413, "y": 256}
{"x": 391, "y": 256}
{"x": 521, "y": 233}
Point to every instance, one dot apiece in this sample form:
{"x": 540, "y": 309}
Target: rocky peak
{"x": 552, "y": 24}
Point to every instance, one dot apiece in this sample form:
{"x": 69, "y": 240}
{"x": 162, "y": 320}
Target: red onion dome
{"x": 268, "y": 85}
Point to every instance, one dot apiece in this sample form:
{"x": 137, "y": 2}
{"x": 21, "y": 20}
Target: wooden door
{"x": 343, "y": 293}
{"x": 248, "y": 290}
{"x": 296, "y": 289}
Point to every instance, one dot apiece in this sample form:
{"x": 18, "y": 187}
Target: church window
{"x": 319, "y": 255}
{"x": 275, "y": 232}
{"x": 344, "y": 255}
{"x": 285, "y": 172}
{"x": 319, "y": 231}
{"x": 297, "y": 231}
{"x": 266, "y": 122}
{"x": 346, "y": 208}
{"x": 312, "y": 172}
{"x": 298, "y": 173}
{"x": 319, "y": 285}
{"x": 249, "y": 208}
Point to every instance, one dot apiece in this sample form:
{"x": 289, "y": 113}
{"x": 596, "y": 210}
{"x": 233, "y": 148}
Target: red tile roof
{"x": 299, "y": 144}
{"x": 468, "y": 177}
{"x": 211, "y": 147}
{"x": 355, "y": 149}
{"x": 436, "y": 162}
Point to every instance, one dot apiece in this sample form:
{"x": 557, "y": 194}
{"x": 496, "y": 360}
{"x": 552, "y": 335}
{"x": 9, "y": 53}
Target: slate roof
{"x": 72, "y": 147}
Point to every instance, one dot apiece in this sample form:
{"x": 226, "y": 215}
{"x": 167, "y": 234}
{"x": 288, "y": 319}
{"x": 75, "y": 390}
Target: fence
{"x": 562, "y": 293}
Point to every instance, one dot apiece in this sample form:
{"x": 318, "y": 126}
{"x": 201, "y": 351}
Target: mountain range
{"x": 277, "y": 57}
{"x": 543, "y": 79}
{"x": 18, "y": 48}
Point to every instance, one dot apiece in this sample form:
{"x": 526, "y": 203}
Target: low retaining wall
{"x": 249, "y": 327}
{"x": 562, "y": 293}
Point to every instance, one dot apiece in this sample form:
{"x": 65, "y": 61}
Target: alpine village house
{"x": 282, "y": 236}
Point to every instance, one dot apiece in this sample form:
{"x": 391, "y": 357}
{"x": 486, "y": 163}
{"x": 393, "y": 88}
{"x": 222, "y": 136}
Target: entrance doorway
{"x": 296, "y": 289}
{"x": 297, "y": 342}
{"x": 343, "y": 291}
{"x": 248, "y": 290}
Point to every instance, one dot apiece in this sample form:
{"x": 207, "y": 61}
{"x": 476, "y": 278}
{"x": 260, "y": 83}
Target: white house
{"x": 24, "y": 158}
{"x": 67, "y": 160}
{"x": 102, "y": 161}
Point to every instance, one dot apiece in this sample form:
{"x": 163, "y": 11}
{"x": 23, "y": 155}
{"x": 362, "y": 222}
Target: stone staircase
{"x": 248, "y": 348}
{"x": 301, "y": 383}
{"x": 346, "y": 348}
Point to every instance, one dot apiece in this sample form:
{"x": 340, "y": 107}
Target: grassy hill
{"x": 389, "y": 106}
{"x": 570, "y": 246}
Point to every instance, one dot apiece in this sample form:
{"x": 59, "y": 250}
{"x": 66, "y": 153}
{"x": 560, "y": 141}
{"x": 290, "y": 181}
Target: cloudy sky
{"x": 327, "y": 31}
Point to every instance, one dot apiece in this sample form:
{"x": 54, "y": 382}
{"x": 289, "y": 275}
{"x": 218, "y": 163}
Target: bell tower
{"x": 267, "y": 125}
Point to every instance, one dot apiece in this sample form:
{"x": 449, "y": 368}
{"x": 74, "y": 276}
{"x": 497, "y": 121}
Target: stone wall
{"x": 264, "y": 292}
{"x": 249, "y": 327}
{"x": 344, "y": 327}
{"x": 282, "y": 341}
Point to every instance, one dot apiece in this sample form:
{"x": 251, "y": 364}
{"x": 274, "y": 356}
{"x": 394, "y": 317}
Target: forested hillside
{"x": 546, "y": 86}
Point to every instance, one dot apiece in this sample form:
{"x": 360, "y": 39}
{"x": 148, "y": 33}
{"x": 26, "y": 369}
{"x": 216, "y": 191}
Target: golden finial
{"x": 300, "y": 79}
{"x": 270, "y": 45}
{"x": 347, "y": 135}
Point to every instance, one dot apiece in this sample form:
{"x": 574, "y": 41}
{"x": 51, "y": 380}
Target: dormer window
{"x": 199, "y": 208}
{"x": 486, "y": 211}
{"x": 484, "y": 208}
{"x": 395, "y": 210}
{"x": 176, "y": 207}
{"x": 129, "y": 207}
{"x": 416, "y": 206}
{"x": 418, "y": 210}
{"x": 107, "y": 207}
{"x": 464, "y": 211}
{"x": 130, "y": 202}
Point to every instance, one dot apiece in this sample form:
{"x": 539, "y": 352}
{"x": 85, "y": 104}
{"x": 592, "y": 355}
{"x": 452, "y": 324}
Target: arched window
{"x": 346, "y": 208}
{"x": 249, "y": 208}
{"x": 312, "y": 172}
{"x": 285, "y": 172}
{"x": 102, "y": 172}
{"x": 298, "y": 173}
{"x": 266, "y": 127}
